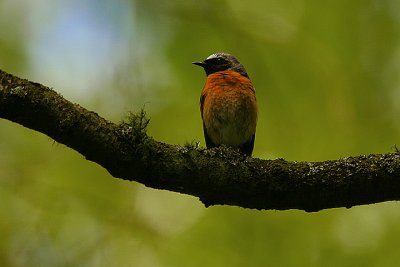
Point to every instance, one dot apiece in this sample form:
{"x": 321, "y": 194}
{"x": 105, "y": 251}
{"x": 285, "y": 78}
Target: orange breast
{"x": 229, "y": 108}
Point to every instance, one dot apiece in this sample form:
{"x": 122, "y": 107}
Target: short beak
{"x": 199, "y": 63}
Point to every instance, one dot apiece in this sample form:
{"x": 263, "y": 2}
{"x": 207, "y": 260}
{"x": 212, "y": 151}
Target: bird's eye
{"x": 216, "y": 61}
{"x": 219, "y": 60}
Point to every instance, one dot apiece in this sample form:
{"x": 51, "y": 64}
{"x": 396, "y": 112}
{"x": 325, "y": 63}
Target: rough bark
{"x": 218, "y": 176}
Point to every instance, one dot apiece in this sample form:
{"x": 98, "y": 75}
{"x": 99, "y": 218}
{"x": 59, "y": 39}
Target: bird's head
{"x": 220, "y": 62}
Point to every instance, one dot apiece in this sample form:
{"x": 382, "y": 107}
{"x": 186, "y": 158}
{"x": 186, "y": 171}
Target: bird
{"x": 228, "y": 104}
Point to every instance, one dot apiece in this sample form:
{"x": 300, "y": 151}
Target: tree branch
{"x": 217, "y": 176}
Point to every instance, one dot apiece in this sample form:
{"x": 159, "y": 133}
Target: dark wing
{"x": 202, "y": 97}
{"x": 209, "y": 143}
{"x": 247, "y": 148}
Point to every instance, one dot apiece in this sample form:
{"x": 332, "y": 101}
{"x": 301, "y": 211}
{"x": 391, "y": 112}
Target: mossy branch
{"x": 217, "y": 176}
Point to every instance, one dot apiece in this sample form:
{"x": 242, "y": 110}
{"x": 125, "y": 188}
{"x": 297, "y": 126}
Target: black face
{"x": 221, "y": 61}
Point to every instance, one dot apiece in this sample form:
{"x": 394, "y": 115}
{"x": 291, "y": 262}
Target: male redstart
{"x": 228, "y": 104}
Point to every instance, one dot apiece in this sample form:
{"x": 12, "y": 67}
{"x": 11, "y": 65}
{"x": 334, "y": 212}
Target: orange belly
{"x": 229, "y": 108}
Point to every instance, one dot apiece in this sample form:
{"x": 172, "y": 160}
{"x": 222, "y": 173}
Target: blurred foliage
{"x": 326, "y": 75}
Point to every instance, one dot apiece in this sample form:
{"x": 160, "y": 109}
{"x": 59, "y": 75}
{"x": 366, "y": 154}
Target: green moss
{"x": 134, "y": 127}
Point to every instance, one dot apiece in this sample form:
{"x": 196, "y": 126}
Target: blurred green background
{"x": 328, "y": 86}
